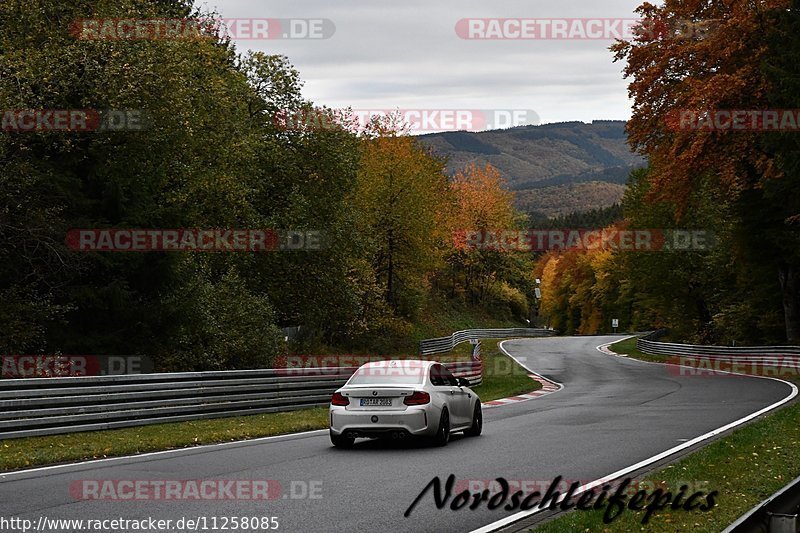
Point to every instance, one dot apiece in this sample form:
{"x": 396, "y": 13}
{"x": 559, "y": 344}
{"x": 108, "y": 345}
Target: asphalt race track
{"x": 612, "y": 413}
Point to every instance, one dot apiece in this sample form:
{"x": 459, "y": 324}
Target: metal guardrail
{"x": 50, "y": 406}
{"x": 776, "y": 514}
{"x": 780, "y": 512}
{"x": 445, "y": 344}
{"x": 649, "y": 345}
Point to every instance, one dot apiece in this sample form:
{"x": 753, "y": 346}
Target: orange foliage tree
{"x": 718, "y": 70}
{"x": 482, "y": 203}
{"x": 721, "y": 69}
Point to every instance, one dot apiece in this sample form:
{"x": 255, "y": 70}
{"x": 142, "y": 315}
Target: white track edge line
{"x": 525, "y": 514}
{"x": 4, "y": 476}
{"x": 488, "y": 405}
{"x": 502, "y": 349}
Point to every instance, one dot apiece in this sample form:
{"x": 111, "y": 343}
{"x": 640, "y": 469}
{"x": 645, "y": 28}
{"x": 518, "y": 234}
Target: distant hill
{"x": 555, "y": 169}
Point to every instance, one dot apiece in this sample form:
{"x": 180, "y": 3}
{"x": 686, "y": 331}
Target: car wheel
{"x": 477, "y": 422}
{"x": 340, "y": 441}
{"x": 443, "y": 433}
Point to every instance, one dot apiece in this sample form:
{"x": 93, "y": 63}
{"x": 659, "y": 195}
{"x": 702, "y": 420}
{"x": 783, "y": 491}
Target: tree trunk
{"x": 788, "y": 279}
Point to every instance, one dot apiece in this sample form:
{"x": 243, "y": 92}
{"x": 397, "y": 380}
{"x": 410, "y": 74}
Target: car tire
{"x": 340, "y": 441}
{"x": 477, "y": 422}
{"x": 443, "y": 432}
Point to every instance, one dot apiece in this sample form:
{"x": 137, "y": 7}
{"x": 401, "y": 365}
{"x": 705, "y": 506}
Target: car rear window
{"x": 389, "y": 374}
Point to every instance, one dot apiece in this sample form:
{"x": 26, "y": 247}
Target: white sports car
{"x": 400, "y": 399}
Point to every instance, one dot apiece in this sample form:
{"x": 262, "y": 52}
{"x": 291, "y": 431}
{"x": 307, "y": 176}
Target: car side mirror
{"x": 463, "y": 382}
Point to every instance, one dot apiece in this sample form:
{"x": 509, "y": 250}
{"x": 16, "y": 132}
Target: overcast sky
{"x": 407, "y": 55}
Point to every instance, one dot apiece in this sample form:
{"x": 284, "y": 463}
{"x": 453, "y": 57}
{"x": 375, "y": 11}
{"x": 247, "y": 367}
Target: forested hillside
{"x": 556, "y": 168}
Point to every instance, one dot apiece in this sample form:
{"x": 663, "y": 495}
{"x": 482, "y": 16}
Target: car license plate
{"x": 379, "y": 402}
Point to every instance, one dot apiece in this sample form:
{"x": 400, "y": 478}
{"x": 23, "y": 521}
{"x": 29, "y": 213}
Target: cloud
{"x": 408, "y": 55}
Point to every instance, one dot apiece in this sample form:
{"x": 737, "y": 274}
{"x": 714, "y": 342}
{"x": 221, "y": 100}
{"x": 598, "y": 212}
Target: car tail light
{"x": 339, "y": 399}
{"x": 418, "y": 398}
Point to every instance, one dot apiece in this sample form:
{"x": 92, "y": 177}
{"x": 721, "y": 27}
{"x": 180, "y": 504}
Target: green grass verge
{"x": 505, "y": 378}
{"x": 628, "y": 347}
{"x": 746, "y": 467}
{"x": 441, "y": 317}
{"x": 502, "y": 376}
{"x": 32, "y": 451}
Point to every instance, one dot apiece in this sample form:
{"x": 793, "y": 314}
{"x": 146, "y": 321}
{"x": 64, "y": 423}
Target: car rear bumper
{"x": 372, "y": 424}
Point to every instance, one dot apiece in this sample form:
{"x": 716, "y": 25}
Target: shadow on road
{"x": 412, "y": 443}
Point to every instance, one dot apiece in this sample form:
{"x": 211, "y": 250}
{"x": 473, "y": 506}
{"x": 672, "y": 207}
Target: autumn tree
{"x": 483, "y": 204}
{"x": 721, "y": 68}
{"x": 402, "y": 200}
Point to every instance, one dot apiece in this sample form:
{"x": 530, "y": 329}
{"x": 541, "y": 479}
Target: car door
{"x": 444, "y": 390}
{"x": 460, "y": 399}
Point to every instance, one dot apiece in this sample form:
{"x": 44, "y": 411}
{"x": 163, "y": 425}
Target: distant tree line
{"x": 593, "y": 219}
{"x": 609, "y": 175}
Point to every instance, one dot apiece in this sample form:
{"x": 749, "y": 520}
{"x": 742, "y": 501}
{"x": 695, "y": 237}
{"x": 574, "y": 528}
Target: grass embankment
{"x": 442, "y": 317}
{"x": 628, "y": 347}
{"x": 503, "y": 377}
{"x": 437, "y": 318}
{"x": 746, "y": 467}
